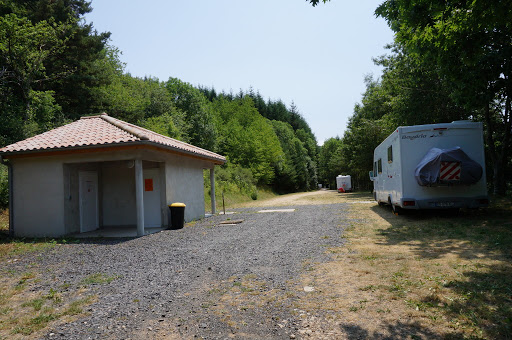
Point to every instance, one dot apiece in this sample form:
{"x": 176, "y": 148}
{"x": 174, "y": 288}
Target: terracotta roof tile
{"x": 101, "y": 130}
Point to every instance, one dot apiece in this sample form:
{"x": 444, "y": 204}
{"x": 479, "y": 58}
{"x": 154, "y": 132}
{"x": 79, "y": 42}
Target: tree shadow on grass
{"x": 483, "y": 289}
{"x": 469, "y": 234}
{"x": 392, "y": 331}
{"x": 487, "y": 300}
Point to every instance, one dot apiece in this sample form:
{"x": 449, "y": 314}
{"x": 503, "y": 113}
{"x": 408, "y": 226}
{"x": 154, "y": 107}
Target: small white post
{"x": 139, "y": 196}
{"x": 212, "y": 190}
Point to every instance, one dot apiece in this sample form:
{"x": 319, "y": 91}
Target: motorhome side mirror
{"x": 371, "y": 175}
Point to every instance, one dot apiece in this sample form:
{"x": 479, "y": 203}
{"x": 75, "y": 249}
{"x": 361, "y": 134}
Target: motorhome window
{"x": 374, "y": 168}
{"x": 379, "y": 166}
{"x": 390, "y": 154}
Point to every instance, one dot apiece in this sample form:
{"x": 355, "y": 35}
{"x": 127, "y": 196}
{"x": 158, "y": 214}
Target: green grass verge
{"x": 234, "y": 197}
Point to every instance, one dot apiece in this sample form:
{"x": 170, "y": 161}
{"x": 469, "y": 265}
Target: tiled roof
{"x": 100, "y": 131}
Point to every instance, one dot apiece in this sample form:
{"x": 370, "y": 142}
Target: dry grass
{"x": 4, "y": 221}
{"x": 25, "y": 312}
{"x": 236, "y": 199}
{"x": 11, "y": 248}
{"x": 417, "y": 276}
{"x": 309, "y": 198}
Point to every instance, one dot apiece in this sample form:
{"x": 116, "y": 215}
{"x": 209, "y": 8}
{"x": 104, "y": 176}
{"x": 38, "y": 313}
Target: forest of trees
{"x": 55, "y": 68}
{"x": 448, "y": 61}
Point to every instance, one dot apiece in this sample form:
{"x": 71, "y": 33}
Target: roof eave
{"x": 217, "y": 161}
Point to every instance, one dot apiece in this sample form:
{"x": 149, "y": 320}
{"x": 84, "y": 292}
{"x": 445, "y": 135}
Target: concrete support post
{"x": 139, "y": 196}
{"x": 212, "y": 191}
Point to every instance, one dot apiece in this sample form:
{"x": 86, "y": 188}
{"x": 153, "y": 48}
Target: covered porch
{"x": 123, "y": 198}
{"x": 127, "y": 194}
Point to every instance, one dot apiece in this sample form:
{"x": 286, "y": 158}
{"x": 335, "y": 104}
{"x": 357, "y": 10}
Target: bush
{"x": 234, "y": 178}
{"x": 4, "y": 187}
{"x": 234, "y": 181}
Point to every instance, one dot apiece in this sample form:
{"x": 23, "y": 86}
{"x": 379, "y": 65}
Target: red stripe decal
{"x": 444, "y": 165}
{"x": 450, "y": 171}
{"x": 455, "y": 174}
{"x": 454, "y": 167}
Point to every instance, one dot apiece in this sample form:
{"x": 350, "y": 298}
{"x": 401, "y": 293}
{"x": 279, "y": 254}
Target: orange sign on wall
{"x": 148, "y": 184}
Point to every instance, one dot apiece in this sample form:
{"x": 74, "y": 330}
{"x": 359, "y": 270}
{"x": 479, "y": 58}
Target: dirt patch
{"x": 309, "y": 198}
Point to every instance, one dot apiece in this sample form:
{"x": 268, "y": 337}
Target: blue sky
{"x": 316, "y": 57}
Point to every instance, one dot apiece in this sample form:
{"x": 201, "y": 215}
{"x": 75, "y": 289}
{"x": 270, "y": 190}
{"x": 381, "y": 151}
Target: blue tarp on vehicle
{"x": 465, "y": 170}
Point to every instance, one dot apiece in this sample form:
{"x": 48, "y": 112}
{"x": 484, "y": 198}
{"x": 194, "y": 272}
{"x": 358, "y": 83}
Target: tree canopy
{"x": 50, "y": 65}
{"x": 316, "y": 2}
{"x": 449, "y": 61}
{"x": 468, "y": 46}
{"x": 56, "y": 68}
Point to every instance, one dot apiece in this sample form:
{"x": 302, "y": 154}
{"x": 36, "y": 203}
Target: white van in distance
{"x": 435, "y": 166}
{"x": 344, "y": 183}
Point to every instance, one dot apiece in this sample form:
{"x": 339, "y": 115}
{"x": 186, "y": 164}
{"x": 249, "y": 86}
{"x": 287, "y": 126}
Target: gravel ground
{"x": 207, "y": 280}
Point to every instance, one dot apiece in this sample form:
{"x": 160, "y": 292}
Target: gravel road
{"x": 208, "y": 280}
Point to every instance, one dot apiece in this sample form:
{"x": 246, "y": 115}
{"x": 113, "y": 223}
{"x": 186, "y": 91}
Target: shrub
{"x": 4, "y": 187}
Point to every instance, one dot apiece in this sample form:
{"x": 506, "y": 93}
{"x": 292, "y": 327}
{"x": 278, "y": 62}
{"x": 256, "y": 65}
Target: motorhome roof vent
{"x": 461, "y": 121}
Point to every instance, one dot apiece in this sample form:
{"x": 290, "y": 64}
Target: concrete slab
{"x": 220, "y": 213}
{"x": 276, "y": 210}
{"x": 116, "y": 232}
{"x": 232, "y": 222}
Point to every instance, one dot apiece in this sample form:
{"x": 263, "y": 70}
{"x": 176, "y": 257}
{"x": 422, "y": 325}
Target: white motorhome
{"x": 344, "y": 183}
{"x": 435, "y": 166}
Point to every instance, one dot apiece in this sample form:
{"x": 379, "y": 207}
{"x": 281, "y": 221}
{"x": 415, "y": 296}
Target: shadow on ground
{"x": 470, "y": 233}
{"x": 398, "y": 330}
{"x": 483, "y": 237}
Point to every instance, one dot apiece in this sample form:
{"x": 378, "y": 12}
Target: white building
{"x": 101, "y": 172}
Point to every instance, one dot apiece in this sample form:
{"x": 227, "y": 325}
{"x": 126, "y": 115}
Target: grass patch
{"x": 12, "y": 247}
{"x": 75, "y": 307}
{"x": 24, "y": 312}
{"x": 449, "y": 275}
{"x": 37, "y": 304}
{"x": 34, "y": 324}
{"x": 97, "y": 279}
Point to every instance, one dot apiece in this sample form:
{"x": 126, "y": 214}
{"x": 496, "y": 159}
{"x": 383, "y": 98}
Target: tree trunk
{"x": 500, "y": 187}
{"x": 499, "y": 158}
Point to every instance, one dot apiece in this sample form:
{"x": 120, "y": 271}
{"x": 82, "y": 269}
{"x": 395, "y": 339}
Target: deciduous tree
{"x": 469, "y": 44}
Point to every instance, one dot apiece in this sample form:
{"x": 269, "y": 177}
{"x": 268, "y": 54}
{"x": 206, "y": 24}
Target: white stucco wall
{"x": 38, "y": 201}
{"x": 185, "y": 184}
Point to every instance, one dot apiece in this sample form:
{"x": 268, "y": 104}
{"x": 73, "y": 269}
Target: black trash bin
{"x": 177, "y": 215}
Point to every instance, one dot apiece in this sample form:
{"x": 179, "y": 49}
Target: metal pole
{"x": 223, "y": 206}
{"x": 212, "y": 188}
